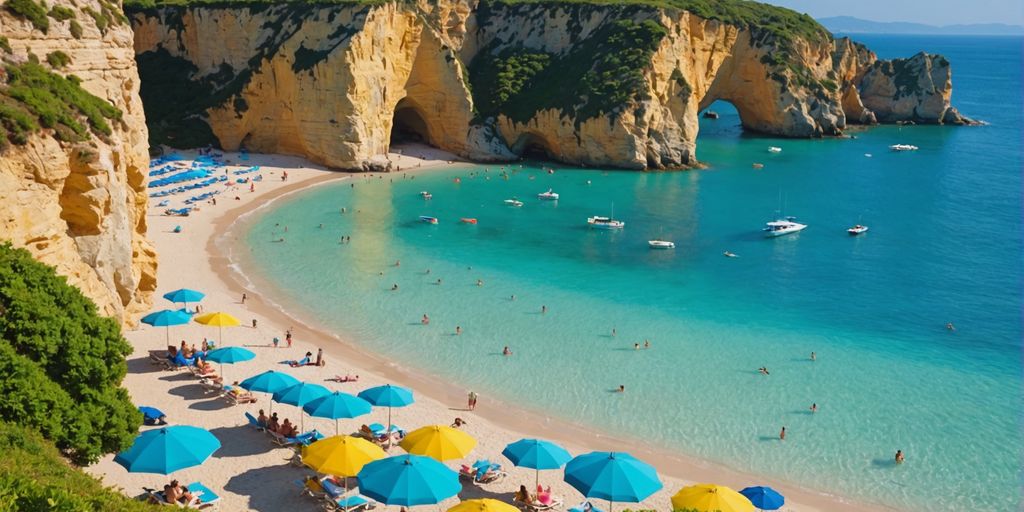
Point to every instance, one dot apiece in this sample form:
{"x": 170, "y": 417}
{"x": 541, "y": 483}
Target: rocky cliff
{"x": 593, "y": 84}
{"x": 74, "y": 149}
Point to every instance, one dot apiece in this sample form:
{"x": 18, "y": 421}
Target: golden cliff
{"x": 488, "y": 80}
{"x": 77, "y": 200}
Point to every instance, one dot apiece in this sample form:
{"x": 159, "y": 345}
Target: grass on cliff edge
{"x": 34, "y": 477}
{"x": 769, "y": 19}
{"x": 32, "y": 97}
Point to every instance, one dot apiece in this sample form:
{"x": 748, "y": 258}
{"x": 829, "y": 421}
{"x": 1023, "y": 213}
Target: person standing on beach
{"x": 243, "y": 298}
{"x": 253, "y": 323}
{"x": 472, "y": 400}
{"x": 782, "y": 434}
{"x": 288, "y": 337}
{"x": 320, "y": 357}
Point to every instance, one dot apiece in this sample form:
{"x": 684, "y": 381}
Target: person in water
{"x": 647, "y": 344}
{"x": 763, "y": 370}
{"x": 950, "y": 327}
{"x": 899, "y": 457}
{"x": 614, "y": 332}
{"x": 543, "y": 309}
{"x": 458, "y": 330}
{"x": 782, "y": 434}
{"x": 636, "y": 346}
{"x": 814, "y": 408}
{"x": 394, "y": 287}
{"x": 506, "y": 351}
{"x": 622, "y": 388}
{"x": 479, "y": 282}
{"x": 425, "y": 320}
{"x": 814, "y": 357}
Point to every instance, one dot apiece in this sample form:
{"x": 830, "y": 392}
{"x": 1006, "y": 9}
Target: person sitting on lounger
{"x": 262, "y": 419}
{"x": 312, "y": 483}
{"x": 272, "y": 424}
{"x": 287, "y": 429}
{"x": 171, "y": 494}
{"x": 523, "y": 496}
{"x": 241, "y": 395}
{"x": 301, "y": 362}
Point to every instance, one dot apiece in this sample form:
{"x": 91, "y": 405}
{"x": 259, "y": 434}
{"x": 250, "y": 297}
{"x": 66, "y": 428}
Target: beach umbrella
{"x": 168, "y": 449}
{"x": 269, "y": 382}
{"x": 218, "y": 320}
{"x": 151, "y": 413}
{"x": 230, "y": 355}
{"x": 483, "y": 505}
{"x": 387, "y": 396}
{"x": 439, "y": 442}
{"x": 337, "y": 405}
{"x": 184, "y": 296}
{"x": 711, "y": 497}
{"x": 166, "y": 318}
{"x": 343, "y": 456}
{"x": 408, "y": 480}
{"x": 536, "y": 454}
{"x": 300, "y": 394}
{"x": 764, "y": 498}
{"x": 612, "y": 476}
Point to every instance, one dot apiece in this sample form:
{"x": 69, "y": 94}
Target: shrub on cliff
{"x": 31, "y": 11}
{"x": 62, "y": 363}
{"x": 58, "y": 59}
{"x": 33, "y": 477}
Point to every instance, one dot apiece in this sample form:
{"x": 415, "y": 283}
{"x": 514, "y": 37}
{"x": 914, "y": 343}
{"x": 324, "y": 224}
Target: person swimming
{"x": 506, "y": 351}
{"x": 899, "y": 457}
{"x": 782, "y": 434}
{"x": 814, "y": 408}
{"x": 394, "y": 287}
{"x": 622, "y": 388}
{"x": 647, "y": 344}
{"x": 458, "y": 330}
{"x": 425, "y": 320}
{"x": 636, "y": 346}
{"x": 763, "y": 370}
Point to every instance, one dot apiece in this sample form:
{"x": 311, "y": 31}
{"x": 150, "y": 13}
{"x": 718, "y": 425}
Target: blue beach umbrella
{"x": 408, "y": 480}
{"x": 269, "y": 382}
{"x": 166, "y": 318}
{"x": 184, "y": 296}
{"x": 388, "y": 396}
{"x": 612, "y": 476}
{"x": 168, "y": 449}
{"x": 151, "y": 414}
{"x": 764, "y": 498}
{"x": 299, "y": 395}
{"x": 337, "y": 405}
{"x": 536, "y": 454}
{"x": 230, "y": 355}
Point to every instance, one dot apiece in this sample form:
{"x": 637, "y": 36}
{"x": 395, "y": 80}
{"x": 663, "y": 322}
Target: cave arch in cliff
{"x": 409, "y": 124}
{"x": 533, "y": 146}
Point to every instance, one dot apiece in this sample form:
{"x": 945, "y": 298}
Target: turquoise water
{"x": 944, "y": 246}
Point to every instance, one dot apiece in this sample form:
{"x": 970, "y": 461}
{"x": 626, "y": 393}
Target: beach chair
{"x": 484, "y": 474}
{"x": 351, "y": 503}
{"x": 211, "y": 386}
{"x": 254, "y": 423}
{"x": 554, "y": 503}
{"x": 586, "y": 506}
{"x": 207, "y": 498}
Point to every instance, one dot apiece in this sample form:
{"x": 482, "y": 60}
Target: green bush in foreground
{"x": 33, "y": 477}
{"x": 62, "y": 363}
{"x": 31, "y": 11}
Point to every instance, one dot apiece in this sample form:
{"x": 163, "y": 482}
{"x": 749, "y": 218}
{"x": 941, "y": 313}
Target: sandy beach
{"x": 251, "y": 473}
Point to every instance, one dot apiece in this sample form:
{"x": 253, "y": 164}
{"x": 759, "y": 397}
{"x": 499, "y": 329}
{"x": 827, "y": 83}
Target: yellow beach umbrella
{"x": 439, "y": 442}
{"x": 711, "y": 498}
{"x": 483, "y": 505}
{"x": 343, "y": 456}
{"x": 219, "y": 320}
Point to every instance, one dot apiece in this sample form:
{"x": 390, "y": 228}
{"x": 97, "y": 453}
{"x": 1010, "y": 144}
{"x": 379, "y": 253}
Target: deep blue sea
{"x": 944, "y": 246}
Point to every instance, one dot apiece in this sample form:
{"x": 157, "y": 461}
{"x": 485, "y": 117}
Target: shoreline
{"x": 519, "y": 419}
{"x": 216, "y": 246}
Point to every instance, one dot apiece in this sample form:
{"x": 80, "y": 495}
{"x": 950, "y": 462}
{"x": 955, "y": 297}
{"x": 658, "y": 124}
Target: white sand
{"x": 249, "y": 472}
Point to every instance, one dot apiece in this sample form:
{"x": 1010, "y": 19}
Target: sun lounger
{"x": 203, "y": 497}
{"x": 555, "y": 503}
{"x": 306, "y": 438}
{"x": 207, "y": 498}
{"x": 586, "y": 506}
{"x": 484, "y": 474}
{"x": 254, "y": 423}
{"x": 353, "y": 502}
{"x": 211, "y": 386}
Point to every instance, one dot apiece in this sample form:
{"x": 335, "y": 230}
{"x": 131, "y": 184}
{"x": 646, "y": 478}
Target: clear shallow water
{"x": 944, "y": 246}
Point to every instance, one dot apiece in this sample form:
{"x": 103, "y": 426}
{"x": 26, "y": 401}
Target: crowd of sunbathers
{"x": 285, "y": 428}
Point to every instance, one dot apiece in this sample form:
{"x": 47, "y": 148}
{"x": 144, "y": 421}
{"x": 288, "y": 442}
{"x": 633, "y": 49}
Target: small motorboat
{"x": 428, "y": 220}
{"x": 774, "y": 149}
{"x": 661, "y": 244}
{"x": 728, "y": 254}
{"x": 903, "y": 147}
{"x": 783, "y": 227}
{"x": 549, "y": 195}
{"x": 514, "y": 202}
{"x": 426, "y": 195}
{"x": 758, "y": 165}
{"x": 710, "y": 114}
{"x": 856, "y": 230}
{"x": 468, "y": 220}
{"x": 605, "y": 222}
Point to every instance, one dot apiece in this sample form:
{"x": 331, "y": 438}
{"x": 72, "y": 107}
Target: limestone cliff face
{"x": 488, "y": 80}
{"x": 81, "y": 206}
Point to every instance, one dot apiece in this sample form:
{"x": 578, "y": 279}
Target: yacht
{"x": 856, "y": 230}
{"x": 774, "y": 149}
{"x": 514, "y": 202}
{"x": 783, "y": 227}
{"x": 661, "y": 244}
{"x": 605, "y": 222}
{"x": 428, "y": 220}
{"x": 709, "y": 114}
{"x": 549, "y": 195}
{"x": 903, "y": 147}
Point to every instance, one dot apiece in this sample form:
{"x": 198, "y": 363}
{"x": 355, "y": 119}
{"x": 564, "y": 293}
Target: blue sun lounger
{"x": 207, "y": 498}
{"x": 354, "y": 502}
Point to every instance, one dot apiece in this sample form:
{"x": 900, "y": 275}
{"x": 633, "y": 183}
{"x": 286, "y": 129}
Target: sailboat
{"x": 782, "y": 226}
{"x": 601, "y": 222}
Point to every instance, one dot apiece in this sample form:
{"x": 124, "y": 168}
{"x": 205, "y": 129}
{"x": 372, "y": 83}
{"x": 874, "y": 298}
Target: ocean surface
{"x": 944, "y": 246}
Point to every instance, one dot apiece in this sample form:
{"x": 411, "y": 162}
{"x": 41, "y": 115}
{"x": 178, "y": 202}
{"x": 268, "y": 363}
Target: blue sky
{"x": 932, "y": 12}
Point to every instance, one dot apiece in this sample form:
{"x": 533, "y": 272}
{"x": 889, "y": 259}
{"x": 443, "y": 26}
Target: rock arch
{"x": 409, "y": 124}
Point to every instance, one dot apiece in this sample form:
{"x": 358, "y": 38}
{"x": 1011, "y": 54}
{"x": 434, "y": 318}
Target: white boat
{"x": 661, "y": 244}
{"x": 782, "y": 227}
{"x": 605, "y": 222}
{"x": 549, "y": 195}
{"x": 426, "y": 195}
{"x": 428, "y": 220}
{"x": 903, "y": 147}
{"x": 774, "y": 149}
{"x": 514, "y": 202}
{"x": 856, "y": 230}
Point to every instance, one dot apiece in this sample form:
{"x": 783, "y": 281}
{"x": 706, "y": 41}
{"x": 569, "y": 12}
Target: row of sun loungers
{"x": 252, "y": 169}
{"x": 177, "y": 190}
{"x": 335, "y": 497}
{"x": 202, "y": 197}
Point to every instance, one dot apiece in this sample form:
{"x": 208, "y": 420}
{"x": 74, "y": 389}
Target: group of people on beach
{"x": 272, "y": 424}
{"x": 179, "y": 495}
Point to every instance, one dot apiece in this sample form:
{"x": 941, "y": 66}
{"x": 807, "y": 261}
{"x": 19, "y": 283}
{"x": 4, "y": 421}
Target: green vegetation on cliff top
{"x": 34, "y": 477}
{"x": 62, "y": 365}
